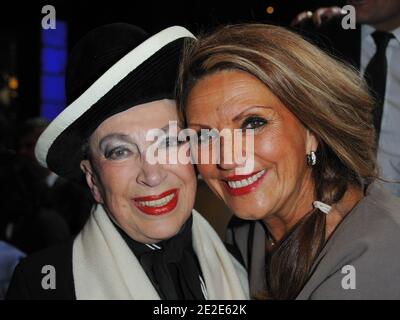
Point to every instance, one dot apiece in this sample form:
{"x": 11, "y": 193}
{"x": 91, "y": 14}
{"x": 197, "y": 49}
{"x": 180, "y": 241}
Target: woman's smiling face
{"x": 150, "y": 202}
{"x": 281, "y": 179}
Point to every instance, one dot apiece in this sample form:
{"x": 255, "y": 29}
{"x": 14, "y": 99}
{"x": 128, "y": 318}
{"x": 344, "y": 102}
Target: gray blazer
{"x": 361, "y": 259}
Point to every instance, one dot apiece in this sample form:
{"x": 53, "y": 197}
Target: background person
{"x": 9, "y": 258}
{"x": 373, "y": 48}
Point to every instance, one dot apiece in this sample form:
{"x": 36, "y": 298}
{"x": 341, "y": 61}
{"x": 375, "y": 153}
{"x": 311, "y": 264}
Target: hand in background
{"x": 317, "y": 18}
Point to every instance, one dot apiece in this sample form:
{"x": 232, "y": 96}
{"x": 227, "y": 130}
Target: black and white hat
{"x": 111, "y": 69}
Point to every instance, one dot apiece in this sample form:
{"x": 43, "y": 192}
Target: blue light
{"x": 52, "y": 88}
{"x": 55, "y": 37}
{"x": 53, "y": 62}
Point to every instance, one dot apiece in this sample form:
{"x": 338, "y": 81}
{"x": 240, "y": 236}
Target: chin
{"x": 164, "y": 232}
{"x": 248, "y": 215}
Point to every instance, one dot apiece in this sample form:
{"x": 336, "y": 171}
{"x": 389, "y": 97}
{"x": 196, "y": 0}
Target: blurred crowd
{"x": 38, "y": 208}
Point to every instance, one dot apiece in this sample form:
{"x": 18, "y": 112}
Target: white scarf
{"x": 105, "y": 268}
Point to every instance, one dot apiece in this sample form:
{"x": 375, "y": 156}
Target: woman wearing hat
{"x": 143, "y": 239}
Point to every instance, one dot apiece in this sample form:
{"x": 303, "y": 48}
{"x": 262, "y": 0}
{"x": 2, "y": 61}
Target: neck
{"x": 295, "y": 207}
{"x": 279, "y": 223}
{"x": 339, "y": 210}
{"x": 387, "y": 25}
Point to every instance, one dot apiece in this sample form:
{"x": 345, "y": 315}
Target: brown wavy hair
{"x": 326, "y": 95}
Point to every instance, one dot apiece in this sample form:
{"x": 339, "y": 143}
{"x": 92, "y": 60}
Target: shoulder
{"x": 56, "y": 255}
{"x": 364, "y": 248}
{"x": 376, "y": 218}
{"x": 46, "y": 274}
{"x": 383, "y": 202}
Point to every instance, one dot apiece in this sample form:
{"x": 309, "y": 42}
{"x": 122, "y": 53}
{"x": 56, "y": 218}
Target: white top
{"x": 389, "y": 139}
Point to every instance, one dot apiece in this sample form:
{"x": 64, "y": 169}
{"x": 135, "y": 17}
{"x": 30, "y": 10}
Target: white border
{"x": 104, "y": 84}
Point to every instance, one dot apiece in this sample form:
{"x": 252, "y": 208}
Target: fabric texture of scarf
{"x": 105, "y": 268}
{"x": 171, "y": 264}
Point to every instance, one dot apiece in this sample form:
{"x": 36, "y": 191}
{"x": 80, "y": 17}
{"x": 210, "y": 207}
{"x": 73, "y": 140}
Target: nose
{"x": 151, "y": 175}
{"x": 235, "y": 156}
{"x": 227, "y": 159}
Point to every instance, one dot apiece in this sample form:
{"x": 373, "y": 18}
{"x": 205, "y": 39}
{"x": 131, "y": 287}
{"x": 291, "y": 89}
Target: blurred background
{"x": 32, "y": 60}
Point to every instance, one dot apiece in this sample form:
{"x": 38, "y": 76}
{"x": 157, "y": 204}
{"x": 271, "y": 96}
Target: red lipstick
{"x": 157, "y": 210}
{"x": 239, "y": 191}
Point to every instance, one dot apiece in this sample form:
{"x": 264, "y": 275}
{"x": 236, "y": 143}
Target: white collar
{"x": 367, "y": 30}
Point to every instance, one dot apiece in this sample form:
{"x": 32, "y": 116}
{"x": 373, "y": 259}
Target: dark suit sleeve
{"x": 18, "y": 289}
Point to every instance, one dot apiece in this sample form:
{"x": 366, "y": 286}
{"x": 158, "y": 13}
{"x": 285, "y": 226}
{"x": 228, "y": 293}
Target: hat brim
{"x": 145, "y": 74}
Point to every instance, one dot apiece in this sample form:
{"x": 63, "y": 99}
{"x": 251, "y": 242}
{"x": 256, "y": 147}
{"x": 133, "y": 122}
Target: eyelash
{"x": 202, "y": 136}
{"x": 260, "y": 122}
{"x": 166, "y": 142}
{"x": 112, "y": 154}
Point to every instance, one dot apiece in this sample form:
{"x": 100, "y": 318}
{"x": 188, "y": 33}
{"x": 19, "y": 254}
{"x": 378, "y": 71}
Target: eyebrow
{"x": 127, "y": 138}
{"x": 240, "y": 115}
{"x": 203, "y": 126}
{"x": 166, "y": 127}
{"x": 236, "y": 118}
{"x": 114, "y": 136}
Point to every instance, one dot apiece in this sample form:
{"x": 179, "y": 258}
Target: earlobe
{"x": 311, "y": 142}
{"x": 91, "y": 180}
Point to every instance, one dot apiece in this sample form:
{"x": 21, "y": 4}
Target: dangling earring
{"x": 311, "y": 159}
